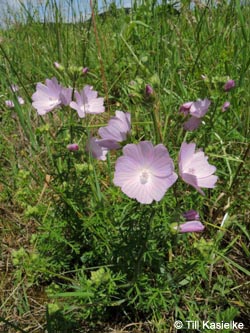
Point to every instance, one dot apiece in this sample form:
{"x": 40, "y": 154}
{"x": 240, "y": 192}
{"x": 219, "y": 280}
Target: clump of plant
{"x": 94, "y": 174}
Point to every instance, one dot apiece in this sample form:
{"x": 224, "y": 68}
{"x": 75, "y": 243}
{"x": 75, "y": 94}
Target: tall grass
{"x": 77, "y": 253}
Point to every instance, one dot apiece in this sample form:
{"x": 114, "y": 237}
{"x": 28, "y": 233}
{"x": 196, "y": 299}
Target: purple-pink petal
{"x": 192, "y": 124}
{"x": 109, "y": 144}
{"x": 190, "y": 226}
{"x": 47, "y": 97}
{"x": 66, "y": 96}
{"x": 96, "y": 150}
{"x": 199, "y": 108}
{"x": 185, "y": 107}
{"x": 191, "y": 215}
{"x": 118, "y": 127}
{"x": 87, "y": 102}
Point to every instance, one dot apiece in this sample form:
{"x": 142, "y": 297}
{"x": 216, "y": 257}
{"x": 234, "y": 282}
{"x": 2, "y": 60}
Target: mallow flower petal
{"x": 192, "y": 124}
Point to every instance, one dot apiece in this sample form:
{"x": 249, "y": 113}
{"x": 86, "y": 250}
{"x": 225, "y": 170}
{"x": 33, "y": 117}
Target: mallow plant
{"x": 142, "y": 171}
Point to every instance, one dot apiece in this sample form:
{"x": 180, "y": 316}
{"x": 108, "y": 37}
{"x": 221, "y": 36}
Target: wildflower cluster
{"x": 144, "y": 172}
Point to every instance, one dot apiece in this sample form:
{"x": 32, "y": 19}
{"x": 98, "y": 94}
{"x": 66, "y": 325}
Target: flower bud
{"x": 14, "y": 88}
{"x": 230, "y": 84}
{"x": 20, "y": 100}
{"x": 85, "y": 70}
{"x": 190, "y": 226}
{"x": 73, "y": 147}
{"x": 58, "y": 66}
{"x": 225, "y": 106}
{"x": 149, "y": 90}
{"x": 191, "y": 215}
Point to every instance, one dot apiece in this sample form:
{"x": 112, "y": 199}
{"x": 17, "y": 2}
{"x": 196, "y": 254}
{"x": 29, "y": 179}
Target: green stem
{"x": 141, "y": 252}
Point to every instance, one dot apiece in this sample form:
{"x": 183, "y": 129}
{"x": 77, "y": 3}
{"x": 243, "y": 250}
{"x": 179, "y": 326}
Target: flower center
{"x": 144, "y": 176}
{"x": 85, "y": 108}
{"x": 53, "y": 101}
{"x": 191, "y": 171}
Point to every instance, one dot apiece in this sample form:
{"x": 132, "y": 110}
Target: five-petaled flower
{"x": 194, "y": 168}
{"x": 196, "y": 110}
{"x": 116, "y": 131}
{"x": 47, "y": 97}
{"x": 87, "y": 102}
{"x": 144, "y": 172}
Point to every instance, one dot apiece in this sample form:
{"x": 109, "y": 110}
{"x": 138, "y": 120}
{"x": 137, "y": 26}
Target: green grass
{"x": 77, "y": 254}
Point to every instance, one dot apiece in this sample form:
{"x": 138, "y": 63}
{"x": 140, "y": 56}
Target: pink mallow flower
{"x": 87, "y": 102}
{"x": 190, "y": 226}
{"x": 116, "y": 131}
{"x": 47, "y": 97}
{"x": 196, "y": 110}
{"x": 194, "y": 168}
{"x": 73, "y": 147}
{"x": 230, "y": 84}
{"x": 50, "y": 96}
{"x": 191, "y": 215}
{"x": 225, "y": 106}
{"x": 96, "y": 150}
{"x": 144, "y": 172}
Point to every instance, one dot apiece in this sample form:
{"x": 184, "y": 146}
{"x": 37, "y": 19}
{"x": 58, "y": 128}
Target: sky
{"x": 8, "y": 8}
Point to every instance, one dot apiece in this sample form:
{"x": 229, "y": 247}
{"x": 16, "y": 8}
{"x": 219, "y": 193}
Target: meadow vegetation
{"x": 77, "y": 253}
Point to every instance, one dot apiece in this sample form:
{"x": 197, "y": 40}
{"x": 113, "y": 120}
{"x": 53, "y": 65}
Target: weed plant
{"x": 78, "y": 254}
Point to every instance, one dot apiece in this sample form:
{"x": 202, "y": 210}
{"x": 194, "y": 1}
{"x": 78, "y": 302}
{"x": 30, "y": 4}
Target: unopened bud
{"x": 73, "y": 147}
{"x": 85, "y": 70}
{"x": 149, "y": 90}
{"x": 225, "y": 106}
{"x": 230, "y": 84}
